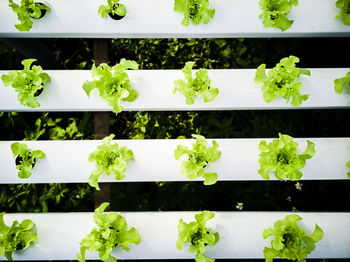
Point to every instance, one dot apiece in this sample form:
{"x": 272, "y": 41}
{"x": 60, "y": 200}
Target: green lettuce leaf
{"x": 196, "y": 11}
{"x": 342, "y": 83}
{"x": 112, "y": 7}
{"x": 344, "y": 14}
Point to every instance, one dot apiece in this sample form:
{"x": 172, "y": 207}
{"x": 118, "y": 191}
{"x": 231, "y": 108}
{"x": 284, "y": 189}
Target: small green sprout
{"x": 114, "y": 9}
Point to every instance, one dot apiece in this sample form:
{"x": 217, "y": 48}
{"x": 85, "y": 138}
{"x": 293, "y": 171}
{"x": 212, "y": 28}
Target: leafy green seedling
{"x": 197, "y": 235}
{"x": 275, "y": 13}
{"x": 344, "y": 14}
{"x": 19, "y": 236}
{"x": 200, "y": 86}
{"x": 113, "y": 9}
{"x": 348, "y": 165}
{"x": 30, "y": 82}
{"x": 113, "y": 83}
{"x": 196, "y": 11}
{"x": 342, "y": 83}
{"x": 26, "y": 159}
{"x": 199, "y": 158}
{"x": 110, "y": 233}
{"x": 290, "y": 240}
{"x": 109, "y": 159}
{"x": 280, "y": 156}
{"x": 281, "y": 81}
{"x": 26, "y": 10}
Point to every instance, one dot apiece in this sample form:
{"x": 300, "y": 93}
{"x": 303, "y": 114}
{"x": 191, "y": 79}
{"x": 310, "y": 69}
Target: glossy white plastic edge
{"x": 156, "y": 18}
{"x": 237, "y": 91}
{"x": 67, "y": 161}
{"x": 59, "y": 234}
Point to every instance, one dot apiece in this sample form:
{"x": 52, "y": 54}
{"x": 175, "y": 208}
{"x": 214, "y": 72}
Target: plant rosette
{"x": 342, "y": 84}
{"x": 197, "y": 235}
{"x": 275, "y": 13}
{"x": 113, "y": 8}
{"x": 28, "y": 83}
{"x": 196, "y": 11}
{"x": 27, "y": 10}
{"x": 280, "y": 156}
{"x": 113, "y": 83}
{"x": 290, "y": 240}
{"x": 197, "y": 87}
{"x": 19, "y": 236}
{"x": 109, "y": 159}
{"x": 110, "y": 233}
{"x": 344, "y": 14}
{"x": 281, "y": 81}
{"x": 198, "y": 159}
{"x": 25, "y": 159}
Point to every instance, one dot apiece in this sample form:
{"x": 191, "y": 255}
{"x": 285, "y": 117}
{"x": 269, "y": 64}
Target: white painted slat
{"x": 237, "y": 91}
{"x": 156, "y": 18}
{"x": 67, "y": 161}
{"x": 59, "y": 234}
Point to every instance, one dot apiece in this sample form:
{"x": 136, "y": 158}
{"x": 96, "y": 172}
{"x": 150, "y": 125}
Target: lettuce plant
{"x": 109, "y": 159}
{"x": 344, "y": 14}
{"x": 275, "y": 13}
{"x": 199, "y": 158}
{"x": 290, "y": 240}
{"x": 280, "y": 156}
{"x": 197, "y": 235}
{"x": 348, "y": 165}
{"x": 19, "y": 236}
{"x": 113, "y": 83}
{"x": 281, "y": 81}
{"x": 113, "y": 9}
{"x": 30, "y": 82}
{"x": 26, "y": 10}
{"x": 26, "y": 159}
{"x": 342, "y": 83}
{"x": 110, "y": 233}
{"x": 196, "y": 11}
{"x": 199, "y": 86}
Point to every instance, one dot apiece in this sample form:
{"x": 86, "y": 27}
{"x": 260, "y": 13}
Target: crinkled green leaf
{"x": 112, "y": 7}
{"x": 196, "y": 11}
{"x": 344, "y": 14}
{"x": 343, "y": 83}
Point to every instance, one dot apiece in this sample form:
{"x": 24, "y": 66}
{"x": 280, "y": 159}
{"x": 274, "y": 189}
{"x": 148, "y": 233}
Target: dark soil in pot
{"x": 116, "y": 16}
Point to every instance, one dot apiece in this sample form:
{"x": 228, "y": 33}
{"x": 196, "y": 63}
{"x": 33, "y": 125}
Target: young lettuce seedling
{"x": 196, "y": 11}
{"x": 342, "y": 83}
{"x": 281, "y": 81}
{"x": 27, "y": 10}
{"x": 109, "y": 159}
{"x": 19, "y": 236}
{"x": 199, "y": 158}
{"x": 348, "y": 165}
{"x": 110, "y": 233}
{"x": 29, "y": 83}
{"x": 115, "y": 10}
{"x": 275, "y": 11}
{"x": 200, "y": 86}
{"x": 26, "y": 159}
{"x": 344, "y": 14}
{"x": 290, "y": 240}
{"x": 197, "y": 235}
{"x": 113, "y": 83}
{"x": 280, "y": 156}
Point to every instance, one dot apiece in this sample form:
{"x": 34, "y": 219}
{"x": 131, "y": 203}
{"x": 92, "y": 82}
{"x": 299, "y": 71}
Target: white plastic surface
{"x": 156, "y": 18}
{"x": 67, "y": 161}
{"x": 59, "y": 234}
{"x": 237, "y": 91}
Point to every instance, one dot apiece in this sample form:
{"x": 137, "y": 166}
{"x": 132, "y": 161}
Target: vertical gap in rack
{"x": 101, "y": 121}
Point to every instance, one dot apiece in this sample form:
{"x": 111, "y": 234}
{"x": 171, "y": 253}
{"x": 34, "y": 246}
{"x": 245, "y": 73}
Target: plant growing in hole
{"x": 197, "y": 87}
{"x": 115, "y": 10}
{"x": 342, "y": 83}
{"x": 109, "y": 159}
{"x": 199, "y": 158}
{"x": 196, "y": 11}
{"x": 26, "y": 10}
{"x": 113, "y": 83}
{"x": 290, "y": 240}
{"x": 25, "y": 159}
{"x": 110, "y": 233}
{"x": 344, "y": 14}
{"x": 275, "y": 13}
{"x": 19, "y": 236}
{"x": 281, "y": 81}
{"x": 29, "y": 83}
{"x": 280, "y": 156}
{"x": 197, "y": 235}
